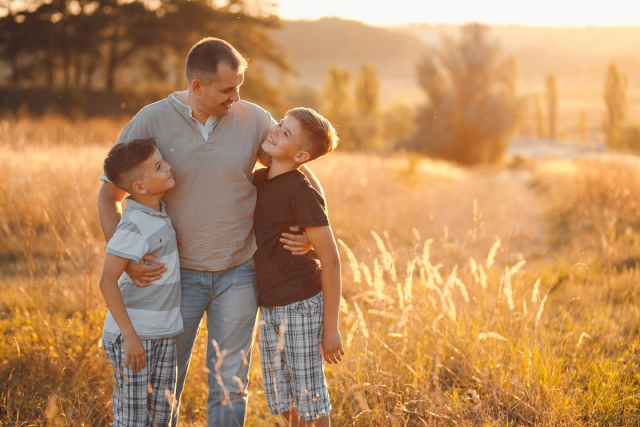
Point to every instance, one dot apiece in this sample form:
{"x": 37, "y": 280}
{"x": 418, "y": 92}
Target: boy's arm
{"x": 327, "y": 252}
{"x": 133, "y": 349}
{"x": 300, "y": 244}
{"x": 142, "y": 274}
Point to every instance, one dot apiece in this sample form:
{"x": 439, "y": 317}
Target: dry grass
{"x": 496, "y": 296}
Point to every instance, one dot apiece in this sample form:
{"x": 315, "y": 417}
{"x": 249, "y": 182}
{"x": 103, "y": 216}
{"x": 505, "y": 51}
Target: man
{"x": 212, "y": 140}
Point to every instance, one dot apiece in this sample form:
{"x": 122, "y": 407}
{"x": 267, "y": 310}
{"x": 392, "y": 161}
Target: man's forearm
{"x": 108, "y": 211}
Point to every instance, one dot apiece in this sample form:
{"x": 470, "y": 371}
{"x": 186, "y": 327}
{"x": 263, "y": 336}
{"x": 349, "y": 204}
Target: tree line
{"x": 472, "y": 102}
{"x": 94, "y": 45}
{"x": 472, "y": 107}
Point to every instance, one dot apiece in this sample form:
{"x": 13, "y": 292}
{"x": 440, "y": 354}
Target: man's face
{"x": 157, "y": 176}
{"x": 283, "y": 141}
{"x": 216, "y": 99}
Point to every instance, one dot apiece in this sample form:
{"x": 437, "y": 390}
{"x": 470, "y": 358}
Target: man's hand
{"x": 332, "y": 350}
{"x": 297, "y": 244}
{"x": 134, "y": 351}
{"x": 144, "y": 274}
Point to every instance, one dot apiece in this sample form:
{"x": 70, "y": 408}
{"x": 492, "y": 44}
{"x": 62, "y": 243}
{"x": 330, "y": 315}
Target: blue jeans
{"x": 229, "y": 299}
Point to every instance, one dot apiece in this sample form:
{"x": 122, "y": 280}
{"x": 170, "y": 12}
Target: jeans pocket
{"x": 250, "y": 264}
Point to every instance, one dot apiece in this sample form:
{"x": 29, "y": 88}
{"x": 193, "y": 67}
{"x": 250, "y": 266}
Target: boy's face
{"x": 157, "y": 175}
{"x": 283, "y": 142}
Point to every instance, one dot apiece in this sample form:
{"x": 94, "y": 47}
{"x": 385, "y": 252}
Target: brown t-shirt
{"x": 213, "y": 201}
{"x": 283, "y": 201}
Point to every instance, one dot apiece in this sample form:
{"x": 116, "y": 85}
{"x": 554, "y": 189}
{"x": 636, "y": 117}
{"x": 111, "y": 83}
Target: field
{"x": 494, "y": 296}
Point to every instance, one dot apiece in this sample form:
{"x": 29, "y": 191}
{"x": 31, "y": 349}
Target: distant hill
{"x": 313, "y": 46}
{"x": 577, "y": 56}
{"x": 335, "y": 39}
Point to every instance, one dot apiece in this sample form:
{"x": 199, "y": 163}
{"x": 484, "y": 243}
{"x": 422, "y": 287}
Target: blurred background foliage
{"x": 455, "y": 92}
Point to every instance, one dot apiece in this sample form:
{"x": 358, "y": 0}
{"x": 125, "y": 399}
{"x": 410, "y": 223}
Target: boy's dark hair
{"x": 205, "y": 57}
{"x": 122, "y": 163}
{"x": 318, "y": 136}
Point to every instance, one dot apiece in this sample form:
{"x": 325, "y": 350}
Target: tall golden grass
{"x": 498, "y": 296}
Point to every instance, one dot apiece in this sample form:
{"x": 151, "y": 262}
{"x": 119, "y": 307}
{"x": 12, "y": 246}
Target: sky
{"x": 523, "y": 12}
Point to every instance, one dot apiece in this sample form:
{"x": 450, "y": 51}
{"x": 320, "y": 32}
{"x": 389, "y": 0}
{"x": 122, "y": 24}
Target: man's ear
{"x": 139, "y": 188}
{"x": 196, "y": 86}
{"x": 302, "y": 156}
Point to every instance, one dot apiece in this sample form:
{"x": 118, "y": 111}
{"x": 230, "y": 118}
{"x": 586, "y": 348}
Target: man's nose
{"x": 235, "y": 95}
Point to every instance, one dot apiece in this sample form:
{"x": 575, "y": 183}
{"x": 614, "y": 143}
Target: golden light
{"x": 535, "y": 13}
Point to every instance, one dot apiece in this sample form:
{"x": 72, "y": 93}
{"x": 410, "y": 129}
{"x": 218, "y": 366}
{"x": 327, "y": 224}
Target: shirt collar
{"x": 132, "y": 204}
{"x": 186, "y": 110}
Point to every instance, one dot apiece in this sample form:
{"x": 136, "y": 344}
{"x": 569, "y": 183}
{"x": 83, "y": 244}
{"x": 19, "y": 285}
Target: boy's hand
{"x": 297, "y": 244}
{"x": 144, "y": 274}
{"x": 134, "y": 351}
{"x": 332, "y": 350}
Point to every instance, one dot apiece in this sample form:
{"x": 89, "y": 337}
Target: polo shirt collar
{"x": 185, "y": 109}
{"x": 131, "y": 203}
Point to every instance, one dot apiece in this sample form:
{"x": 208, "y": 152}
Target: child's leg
{"x": 305, "y": 364}
{"x": 277, "y": 392}
{"x": 293, "y": 420}
{"x": 162, "y": 365}
{"x": 130, "y": 390}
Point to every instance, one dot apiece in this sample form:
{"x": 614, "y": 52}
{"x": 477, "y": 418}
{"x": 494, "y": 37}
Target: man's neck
{"x": 278, "y": 168}
{"x": 187, "y": 99}
{"x": 152, "y": 202}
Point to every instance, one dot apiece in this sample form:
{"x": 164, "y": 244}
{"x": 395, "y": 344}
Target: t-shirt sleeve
{"x": 127, "y": 242}
{"x": 258, "y": 174}
{"x": 308, "y": 208}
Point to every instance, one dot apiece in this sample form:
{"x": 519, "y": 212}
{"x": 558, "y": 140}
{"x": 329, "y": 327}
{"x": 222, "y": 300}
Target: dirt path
{"x": 512, "y": 211}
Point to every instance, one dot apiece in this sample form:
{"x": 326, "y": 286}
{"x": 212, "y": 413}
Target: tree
{"x": 615, "y": 97}
{"x": 367, "y": 134}
{"x": 339, "y": 106}
{"x": 131, "y": 28}
{"x": 552, "y": 105}
{"x": 539, "y": 117}
{"x": 471, "y": 108}
{"x": 66, "y": 43}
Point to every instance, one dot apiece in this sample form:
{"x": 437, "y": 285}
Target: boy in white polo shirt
{"x": 142, "y": 322}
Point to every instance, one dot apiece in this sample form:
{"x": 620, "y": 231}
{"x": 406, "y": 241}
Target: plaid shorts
{"x": 143, "y": 398}
{"x": 292, "y": 365}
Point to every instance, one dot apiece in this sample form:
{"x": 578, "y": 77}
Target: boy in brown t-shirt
{"x": 299, "y": 296}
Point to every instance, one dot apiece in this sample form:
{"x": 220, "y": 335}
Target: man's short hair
{"x": 123, "y": 163}
{"x": 207, "y": 55}
{"x": 318, "y": 136}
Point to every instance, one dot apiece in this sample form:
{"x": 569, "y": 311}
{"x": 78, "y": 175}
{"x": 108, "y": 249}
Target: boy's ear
{"x": 302, "y": 156}
{"x": 139, "y": 188}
